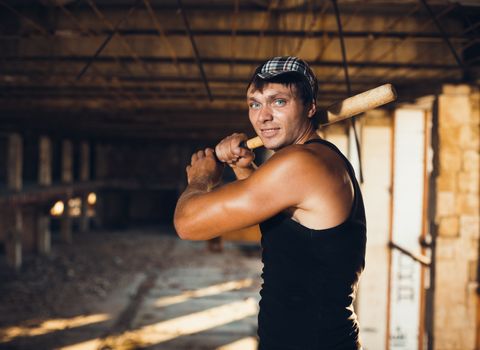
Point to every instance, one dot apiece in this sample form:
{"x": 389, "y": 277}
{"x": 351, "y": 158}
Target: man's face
{"x": 278, "y": 115}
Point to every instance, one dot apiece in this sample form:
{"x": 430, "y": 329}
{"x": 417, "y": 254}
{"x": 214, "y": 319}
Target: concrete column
{"x": 84, "y": 161}
{"x": 14, "y": 241}
{"x": 101, "y": 164}
{"x": 84, "y": 176}
{"x": 67, "y": 161}
{"x": 101, "y": 173}
{"x": 43, "y": 234}
{"x": 457, "y": 218}
{"x": 14, "y": 162}
{"x": 43, "y": 240}
{"x": 67, "y": 177}
{"x": 376, "y": 190}
{"x": 45, "y": 161}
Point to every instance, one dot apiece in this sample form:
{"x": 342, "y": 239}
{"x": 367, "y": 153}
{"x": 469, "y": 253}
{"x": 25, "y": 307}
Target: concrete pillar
{"x": 45, "y": 161}
{"x": 84, "y": 161}
{"x": 84, "y": 176}
{"x": 43, "y": 234}
{"x": 457, "y": 218}
{"x": 101, "y": 173}
{"x": 376, "y": 190}
{"x": 14, "y": 241}
{"x": 15, "y": 162}
{"x": 67, "y": 177}
{"x": 101, "y": 162}
{"x": 67, "y": 161}
{"x": 44, "y": 179}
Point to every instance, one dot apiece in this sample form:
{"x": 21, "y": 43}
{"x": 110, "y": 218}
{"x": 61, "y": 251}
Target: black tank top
{"x": 310, "y": 279}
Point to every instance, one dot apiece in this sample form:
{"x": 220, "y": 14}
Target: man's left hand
{"x": 205, "y": 168}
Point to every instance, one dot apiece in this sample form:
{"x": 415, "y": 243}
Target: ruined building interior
{"x": 102, "y": 103}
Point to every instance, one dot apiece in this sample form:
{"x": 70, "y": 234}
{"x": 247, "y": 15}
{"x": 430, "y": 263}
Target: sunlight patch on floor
{"x": 48, "y": 326}
{"x": 203, "y": 292}
{"x": 249, "y": 343}
{"x": 184, "y": 325}
{"x": 93, "y": 344}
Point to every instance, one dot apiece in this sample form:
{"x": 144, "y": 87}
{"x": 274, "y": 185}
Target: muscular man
{"x": 307, "y": 202}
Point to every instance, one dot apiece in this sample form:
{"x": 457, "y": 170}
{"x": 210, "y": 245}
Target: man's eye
{"x": 279, "y": 102}
{"x": 254, "y": 105}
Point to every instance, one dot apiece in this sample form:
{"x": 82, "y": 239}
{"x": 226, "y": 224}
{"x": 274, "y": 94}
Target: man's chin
{"x": 272, "y": 145}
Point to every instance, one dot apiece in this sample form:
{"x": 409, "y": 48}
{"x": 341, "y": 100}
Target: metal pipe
{"x": 162, "y": 33}
{"x": 404, "y": 40}
{"x": 444, "y": 34}
{"x": 107, "y": 40}
{"x": 349, "y": 85}
{"x": 447, "y": 10}
{"x": 195, "y": 50}
{"x": 126, "y": 45}
{"x": 92, "y": 32}
{"x": 425, "y": 261}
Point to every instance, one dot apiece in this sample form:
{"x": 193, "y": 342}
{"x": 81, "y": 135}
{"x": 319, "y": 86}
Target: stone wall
{"x": 457, "y": 219}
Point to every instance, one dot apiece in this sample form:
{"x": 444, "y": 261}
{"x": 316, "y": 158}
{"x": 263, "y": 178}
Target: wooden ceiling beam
{"x": 225, "y": 61}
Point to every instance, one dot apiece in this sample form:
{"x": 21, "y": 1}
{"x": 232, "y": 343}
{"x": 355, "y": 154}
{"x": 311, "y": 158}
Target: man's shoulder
{"x": 296, "y": 159}
{"x": 304, "y": 154}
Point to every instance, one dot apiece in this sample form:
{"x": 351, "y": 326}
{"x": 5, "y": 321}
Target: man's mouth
{"x": 269, "y": 132}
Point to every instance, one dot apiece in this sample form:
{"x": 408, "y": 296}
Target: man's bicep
{"x": 265, "y": 193}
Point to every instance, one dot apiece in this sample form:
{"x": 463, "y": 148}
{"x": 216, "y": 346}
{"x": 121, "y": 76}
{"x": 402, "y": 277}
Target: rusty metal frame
{"x": 107, "y": 39}
{"x": 137, "y": 59}
{"x": 47, "y": 34}
{"x": 195, "y": 49}
{"x": 443, "y": 33}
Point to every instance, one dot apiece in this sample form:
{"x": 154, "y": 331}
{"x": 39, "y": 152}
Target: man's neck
{"x": 308, "y": 134}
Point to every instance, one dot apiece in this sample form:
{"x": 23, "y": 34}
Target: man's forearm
{"x": 243, "y": 173}
{"x": 192, "y": 190}
{"x": 187, "y": 208}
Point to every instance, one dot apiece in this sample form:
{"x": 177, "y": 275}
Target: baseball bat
{"x": 348, "y": 108}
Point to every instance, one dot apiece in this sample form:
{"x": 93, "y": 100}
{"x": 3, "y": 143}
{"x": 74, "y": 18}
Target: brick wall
{"x": 457, "y": 218}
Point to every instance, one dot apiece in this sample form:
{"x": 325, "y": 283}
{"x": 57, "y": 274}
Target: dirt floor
{"x": 88, "y": 295}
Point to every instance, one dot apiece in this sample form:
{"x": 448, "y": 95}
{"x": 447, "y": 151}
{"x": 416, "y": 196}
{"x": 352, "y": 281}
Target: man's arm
{"x": 243, "y": 173}
{"x": 203, "y": 213}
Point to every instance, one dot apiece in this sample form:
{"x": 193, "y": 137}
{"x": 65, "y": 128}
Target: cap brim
{"x": 268, "y": 75}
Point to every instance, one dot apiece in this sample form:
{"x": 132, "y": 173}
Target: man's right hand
{"x": 229, "y": 151}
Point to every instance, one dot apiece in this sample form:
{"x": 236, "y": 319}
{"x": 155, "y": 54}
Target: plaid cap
{"x": 287, "y": 64}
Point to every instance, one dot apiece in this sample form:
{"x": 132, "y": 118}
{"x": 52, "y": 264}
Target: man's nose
{"x": 265, "y": 114}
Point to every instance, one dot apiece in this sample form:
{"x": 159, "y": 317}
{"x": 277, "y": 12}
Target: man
{"x": 307, "y": 202}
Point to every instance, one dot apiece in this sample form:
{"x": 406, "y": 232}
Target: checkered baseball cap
{"x": 287, "y": 64}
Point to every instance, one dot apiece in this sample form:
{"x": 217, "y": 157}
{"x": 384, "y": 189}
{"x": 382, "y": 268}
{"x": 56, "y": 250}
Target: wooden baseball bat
{"x": 348, "y": 108}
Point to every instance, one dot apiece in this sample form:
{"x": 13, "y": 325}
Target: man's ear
{"x": 312, "y": 110}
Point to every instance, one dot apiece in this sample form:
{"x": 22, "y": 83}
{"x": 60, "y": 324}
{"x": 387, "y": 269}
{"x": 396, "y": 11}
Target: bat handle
{"x": 252, "y": 143}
